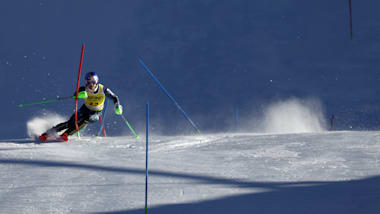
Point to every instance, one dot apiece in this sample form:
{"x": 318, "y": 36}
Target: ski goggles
{"x": 90, "y": 82}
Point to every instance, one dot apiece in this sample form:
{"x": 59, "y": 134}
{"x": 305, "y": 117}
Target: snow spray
{"x": 38, "y": 125}
{"x": 294, "y": 116}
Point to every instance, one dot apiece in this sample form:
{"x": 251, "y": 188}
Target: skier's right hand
{"x": 82, "y": 95}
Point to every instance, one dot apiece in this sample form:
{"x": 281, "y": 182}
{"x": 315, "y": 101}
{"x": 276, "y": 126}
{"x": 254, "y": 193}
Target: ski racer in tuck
{"x": 94, "y": 95}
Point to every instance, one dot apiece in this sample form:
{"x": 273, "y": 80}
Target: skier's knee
{"x": 93, "y": 118}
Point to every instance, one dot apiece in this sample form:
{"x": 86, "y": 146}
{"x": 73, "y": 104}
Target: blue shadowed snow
{"x": 212, "y": 56}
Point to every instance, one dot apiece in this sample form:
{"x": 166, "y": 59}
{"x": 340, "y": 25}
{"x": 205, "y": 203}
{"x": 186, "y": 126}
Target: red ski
{"x": 46, "y": 138}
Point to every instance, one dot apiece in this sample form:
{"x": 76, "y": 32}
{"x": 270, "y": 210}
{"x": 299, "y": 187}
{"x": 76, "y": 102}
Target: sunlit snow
{"x": 330, "y": 172}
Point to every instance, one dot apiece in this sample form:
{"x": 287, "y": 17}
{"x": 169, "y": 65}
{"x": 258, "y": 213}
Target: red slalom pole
{"x": 350, "y": 8}
{"x": 76, "y": 94}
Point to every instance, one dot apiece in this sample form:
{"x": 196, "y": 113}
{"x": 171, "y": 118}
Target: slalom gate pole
{"x": 46, "y": 101}
{"x": 146, "y": 156}
{"x": 236, "y": 118}
{"x": 77, "y": 91}
{"x": 103, "y": 119}
{"x": 130, "y": 127}
{"x": 170, "y": 96}
{"x": 102, "y": 127}
{"x": 350, "y": 8}
{"x": 332, "y": 122}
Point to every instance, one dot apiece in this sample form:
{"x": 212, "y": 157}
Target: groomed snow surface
{"x": 327, "y": 172}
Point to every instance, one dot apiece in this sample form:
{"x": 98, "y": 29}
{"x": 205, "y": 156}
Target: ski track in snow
{"x": 335, "y": 172}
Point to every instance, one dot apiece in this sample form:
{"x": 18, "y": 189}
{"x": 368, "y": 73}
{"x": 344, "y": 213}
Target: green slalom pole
{"x": 130, "y": 127}
{"x": 46, "y": 101}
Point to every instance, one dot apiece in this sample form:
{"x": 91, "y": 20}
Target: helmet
{"x": 91, "y": 78}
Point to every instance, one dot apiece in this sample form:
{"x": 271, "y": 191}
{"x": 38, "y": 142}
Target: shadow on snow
{"x": 27, "y": 141}
{"x": 349, "y": 197}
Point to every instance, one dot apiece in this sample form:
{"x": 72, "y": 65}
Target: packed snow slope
{"x": 328, "y": 172}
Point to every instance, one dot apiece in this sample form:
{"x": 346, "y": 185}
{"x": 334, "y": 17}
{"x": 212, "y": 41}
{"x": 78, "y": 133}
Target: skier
{"x": 94, "y": 95}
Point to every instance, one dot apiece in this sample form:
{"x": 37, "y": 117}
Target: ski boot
{"x": 43, "y": 137}
{"x": 64, "y": 137}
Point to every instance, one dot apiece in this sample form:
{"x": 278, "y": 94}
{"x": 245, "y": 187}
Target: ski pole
{"x": 170, "y": 96}
{"x": 129, "y": 126}
{"x": 46, "y": 101}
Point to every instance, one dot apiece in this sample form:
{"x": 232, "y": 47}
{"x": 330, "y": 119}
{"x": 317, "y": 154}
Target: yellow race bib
{"x": 95, "y": 101}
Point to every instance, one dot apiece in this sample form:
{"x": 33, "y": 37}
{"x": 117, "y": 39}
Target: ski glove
{"x": 82, "y": 95}
{"x": 118, "y": 109}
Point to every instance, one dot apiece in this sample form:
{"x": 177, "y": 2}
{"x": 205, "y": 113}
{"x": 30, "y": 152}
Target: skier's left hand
{"x": 118, "y": 109}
